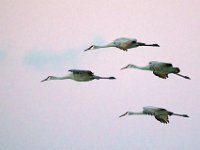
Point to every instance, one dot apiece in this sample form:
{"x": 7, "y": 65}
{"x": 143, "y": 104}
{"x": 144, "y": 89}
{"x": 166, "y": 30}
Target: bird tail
{"x": 182, "y": 115}
{"x": 176, "y": 70}
{"x": 110, "y": 78}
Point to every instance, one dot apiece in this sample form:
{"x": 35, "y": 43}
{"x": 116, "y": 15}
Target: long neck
{"x": 135, "y": 113}
{"x": 60, "y": 78}
{"x": 141, "y": 68}
{"x": 103, "y": 46}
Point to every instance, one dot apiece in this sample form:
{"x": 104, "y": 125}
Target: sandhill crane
{"x": 78, "y": 75}
{"x": 160, "y": 114}
{"x": 123, "y": 44}
{"x": 159, "y": 69}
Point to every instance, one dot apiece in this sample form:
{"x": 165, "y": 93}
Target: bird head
{"x": 126, "y": 113}
{"x": 128, "y": 66}
{"x": 90, "y": 48}
{"x": 47, "y": 79}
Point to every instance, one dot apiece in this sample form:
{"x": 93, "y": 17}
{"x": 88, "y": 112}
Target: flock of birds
{"x": 160, "y": 69}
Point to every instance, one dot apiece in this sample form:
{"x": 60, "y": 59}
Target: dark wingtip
{"x": 185, "y": 116}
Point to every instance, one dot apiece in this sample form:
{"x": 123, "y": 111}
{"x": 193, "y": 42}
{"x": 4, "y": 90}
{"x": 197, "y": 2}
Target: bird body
{"x": 123, "y": 44}
{"x": 160, "y": 69}
{"x": 78, "y": 75}
{"x": 160, "y": 114}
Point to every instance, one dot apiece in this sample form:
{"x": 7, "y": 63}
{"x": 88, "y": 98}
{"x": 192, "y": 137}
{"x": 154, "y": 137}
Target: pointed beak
{"x": 88, "y": 48}
{"x": 124, "y": 68}
{"x": 123, "y": 114}
{"x": 44, "y": 80}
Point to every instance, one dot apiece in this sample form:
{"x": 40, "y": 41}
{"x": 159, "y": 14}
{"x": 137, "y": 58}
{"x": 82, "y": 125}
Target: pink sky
{"x": 47, "y": 37}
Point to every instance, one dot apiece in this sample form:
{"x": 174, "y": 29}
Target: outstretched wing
{"x": 163, "y": 118}
{"x": 160, "y": 114}
{"x": 150, "y": 110}
{"x": 161, "y": 75}
{"x": 160, "y": 68}
{"x": 76, "y": 71}
{"x": 124, "y": 41}
{"x": 160, "y": 64}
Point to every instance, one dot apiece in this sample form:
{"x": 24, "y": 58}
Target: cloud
{"x": 50, "y": 59}
{"x": 40, "y": 59}
{"x": 2, "y": 55}
{"x": 99, "y": 40}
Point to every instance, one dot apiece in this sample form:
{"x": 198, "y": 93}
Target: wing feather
{"x": 163, "y": 118}
{"x": 123, "y": 41}
{"x": 160, "y": 64}
{"x": 159, "y": 68}
{"x": 161, "y": 75}
{"x": 77, "y": 71}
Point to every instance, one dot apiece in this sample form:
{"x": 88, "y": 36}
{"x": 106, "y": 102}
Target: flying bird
{"x": 159, "y": 69}
{"x": 160, "y": 114}
{"x": 123, "y": 44}
{"x": 78, "y": 75}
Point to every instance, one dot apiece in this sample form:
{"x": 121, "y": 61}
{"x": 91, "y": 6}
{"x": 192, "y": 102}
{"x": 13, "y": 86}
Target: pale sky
{"x": 47, "y": 37}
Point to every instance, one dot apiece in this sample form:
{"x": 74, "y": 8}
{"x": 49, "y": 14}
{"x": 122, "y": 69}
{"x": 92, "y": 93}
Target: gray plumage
{"x": 160, "y": 114}
{"x": 160, "y": 69}
{"x": 123, "y": 44}
{"x": 78, "y": 75}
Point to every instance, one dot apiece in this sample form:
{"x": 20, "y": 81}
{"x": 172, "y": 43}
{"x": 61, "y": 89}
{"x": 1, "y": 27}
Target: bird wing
{"x": 150, "y": 110}
{"x": 160, "y": 114}
{"x": 159, "y": 68}
{"x": 76, "y": 71}
{"x": 161, "y": 75}
{"x": 160, "y": 64}
{"x": 123, "y": 40}
{"x": 163, "y": 118}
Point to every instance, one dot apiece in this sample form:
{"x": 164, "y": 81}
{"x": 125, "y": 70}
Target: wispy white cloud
{"x": 98, "y": 40}
{"x": 40, "y": 59}
{"x": 2, "y": 55}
